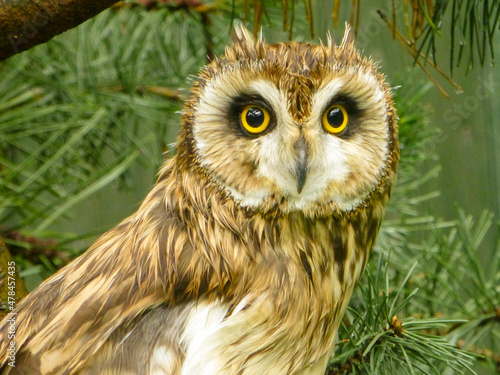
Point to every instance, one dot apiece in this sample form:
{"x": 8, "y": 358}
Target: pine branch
{"x": 32, "y": 248}
{"x": 103, "y": 90}
{"x": 25, "y": 24}
{"x": 381, "y": 343}
{"x": 166, "y": 92}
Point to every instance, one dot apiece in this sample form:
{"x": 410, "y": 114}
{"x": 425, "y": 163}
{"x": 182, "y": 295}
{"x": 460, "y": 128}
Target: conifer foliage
{"x": 83, "y": 112}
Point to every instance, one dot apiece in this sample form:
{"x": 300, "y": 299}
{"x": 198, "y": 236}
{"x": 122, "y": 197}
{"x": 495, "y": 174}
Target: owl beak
{"x": 301, "y": 171}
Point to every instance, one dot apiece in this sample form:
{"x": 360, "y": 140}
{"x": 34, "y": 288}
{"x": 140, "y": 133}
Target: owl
{"x": 243, "y": 257}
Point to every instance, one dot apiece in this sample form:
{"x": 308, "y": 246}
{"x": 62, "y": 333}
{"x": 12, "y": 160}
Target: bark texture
{"x": 27, "y": 23}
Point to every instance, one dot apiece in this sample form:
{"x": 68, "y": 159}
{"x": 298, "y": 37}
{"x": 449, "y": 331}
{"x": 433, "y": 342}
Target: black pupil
{"x": 335, "y": 117}
{"x": 255, "y": 117}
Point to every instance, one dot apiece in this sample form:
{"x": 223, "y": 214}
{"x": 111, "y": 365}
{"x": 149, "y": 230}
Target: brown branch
{"x": 32, "y": 248}
{"x": 196, "y": 6}
{"x": 348, "y": 366}
{"x": 12, "y": 288}
{"x": 27, "y": 23}
{"x": 209, "y": 43}
{"x": 169, "y": 93}
{"x": 412, "y": 51}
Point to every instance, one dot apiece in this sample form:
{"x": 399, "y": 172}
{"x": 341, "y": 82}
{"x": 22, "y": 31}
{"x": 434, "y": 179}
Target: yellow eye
{"x": 335, "y": 119}
{"x": 255, "y": 119}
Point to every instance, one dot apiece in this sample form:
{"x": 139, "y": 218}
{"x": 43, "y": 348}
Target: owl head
{"x": 292, "y": 126}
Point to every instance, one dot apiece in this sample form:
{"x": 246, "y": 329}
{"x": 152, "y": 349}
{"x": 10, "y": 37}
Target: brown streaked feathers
{"x": 226, "y": 268}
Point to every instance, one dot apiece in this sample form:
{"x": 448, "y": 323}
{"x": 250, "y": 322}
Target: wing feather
{"x": 130, "y": 269}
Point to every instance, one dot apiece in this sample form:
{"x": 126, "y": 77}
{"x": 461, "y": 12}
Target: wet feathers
{"x": 243, "y": 257}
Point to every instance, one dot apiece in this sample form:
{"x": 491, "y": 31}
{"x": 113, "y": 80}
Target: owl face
{"x": 293, "y": 126}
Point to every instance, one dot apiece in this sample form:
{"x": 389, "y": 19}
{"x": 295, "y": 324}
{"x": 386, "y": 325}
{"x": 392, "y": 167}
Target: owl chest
{"x": 257, "y": 336}
{"x": 284, "y": 323}
{"x": 279, "y": 317}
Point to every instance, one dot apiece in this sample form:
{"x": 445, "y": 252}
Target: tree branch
{"x": 27, "y": 23}
{"x": 12, "y": 287}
